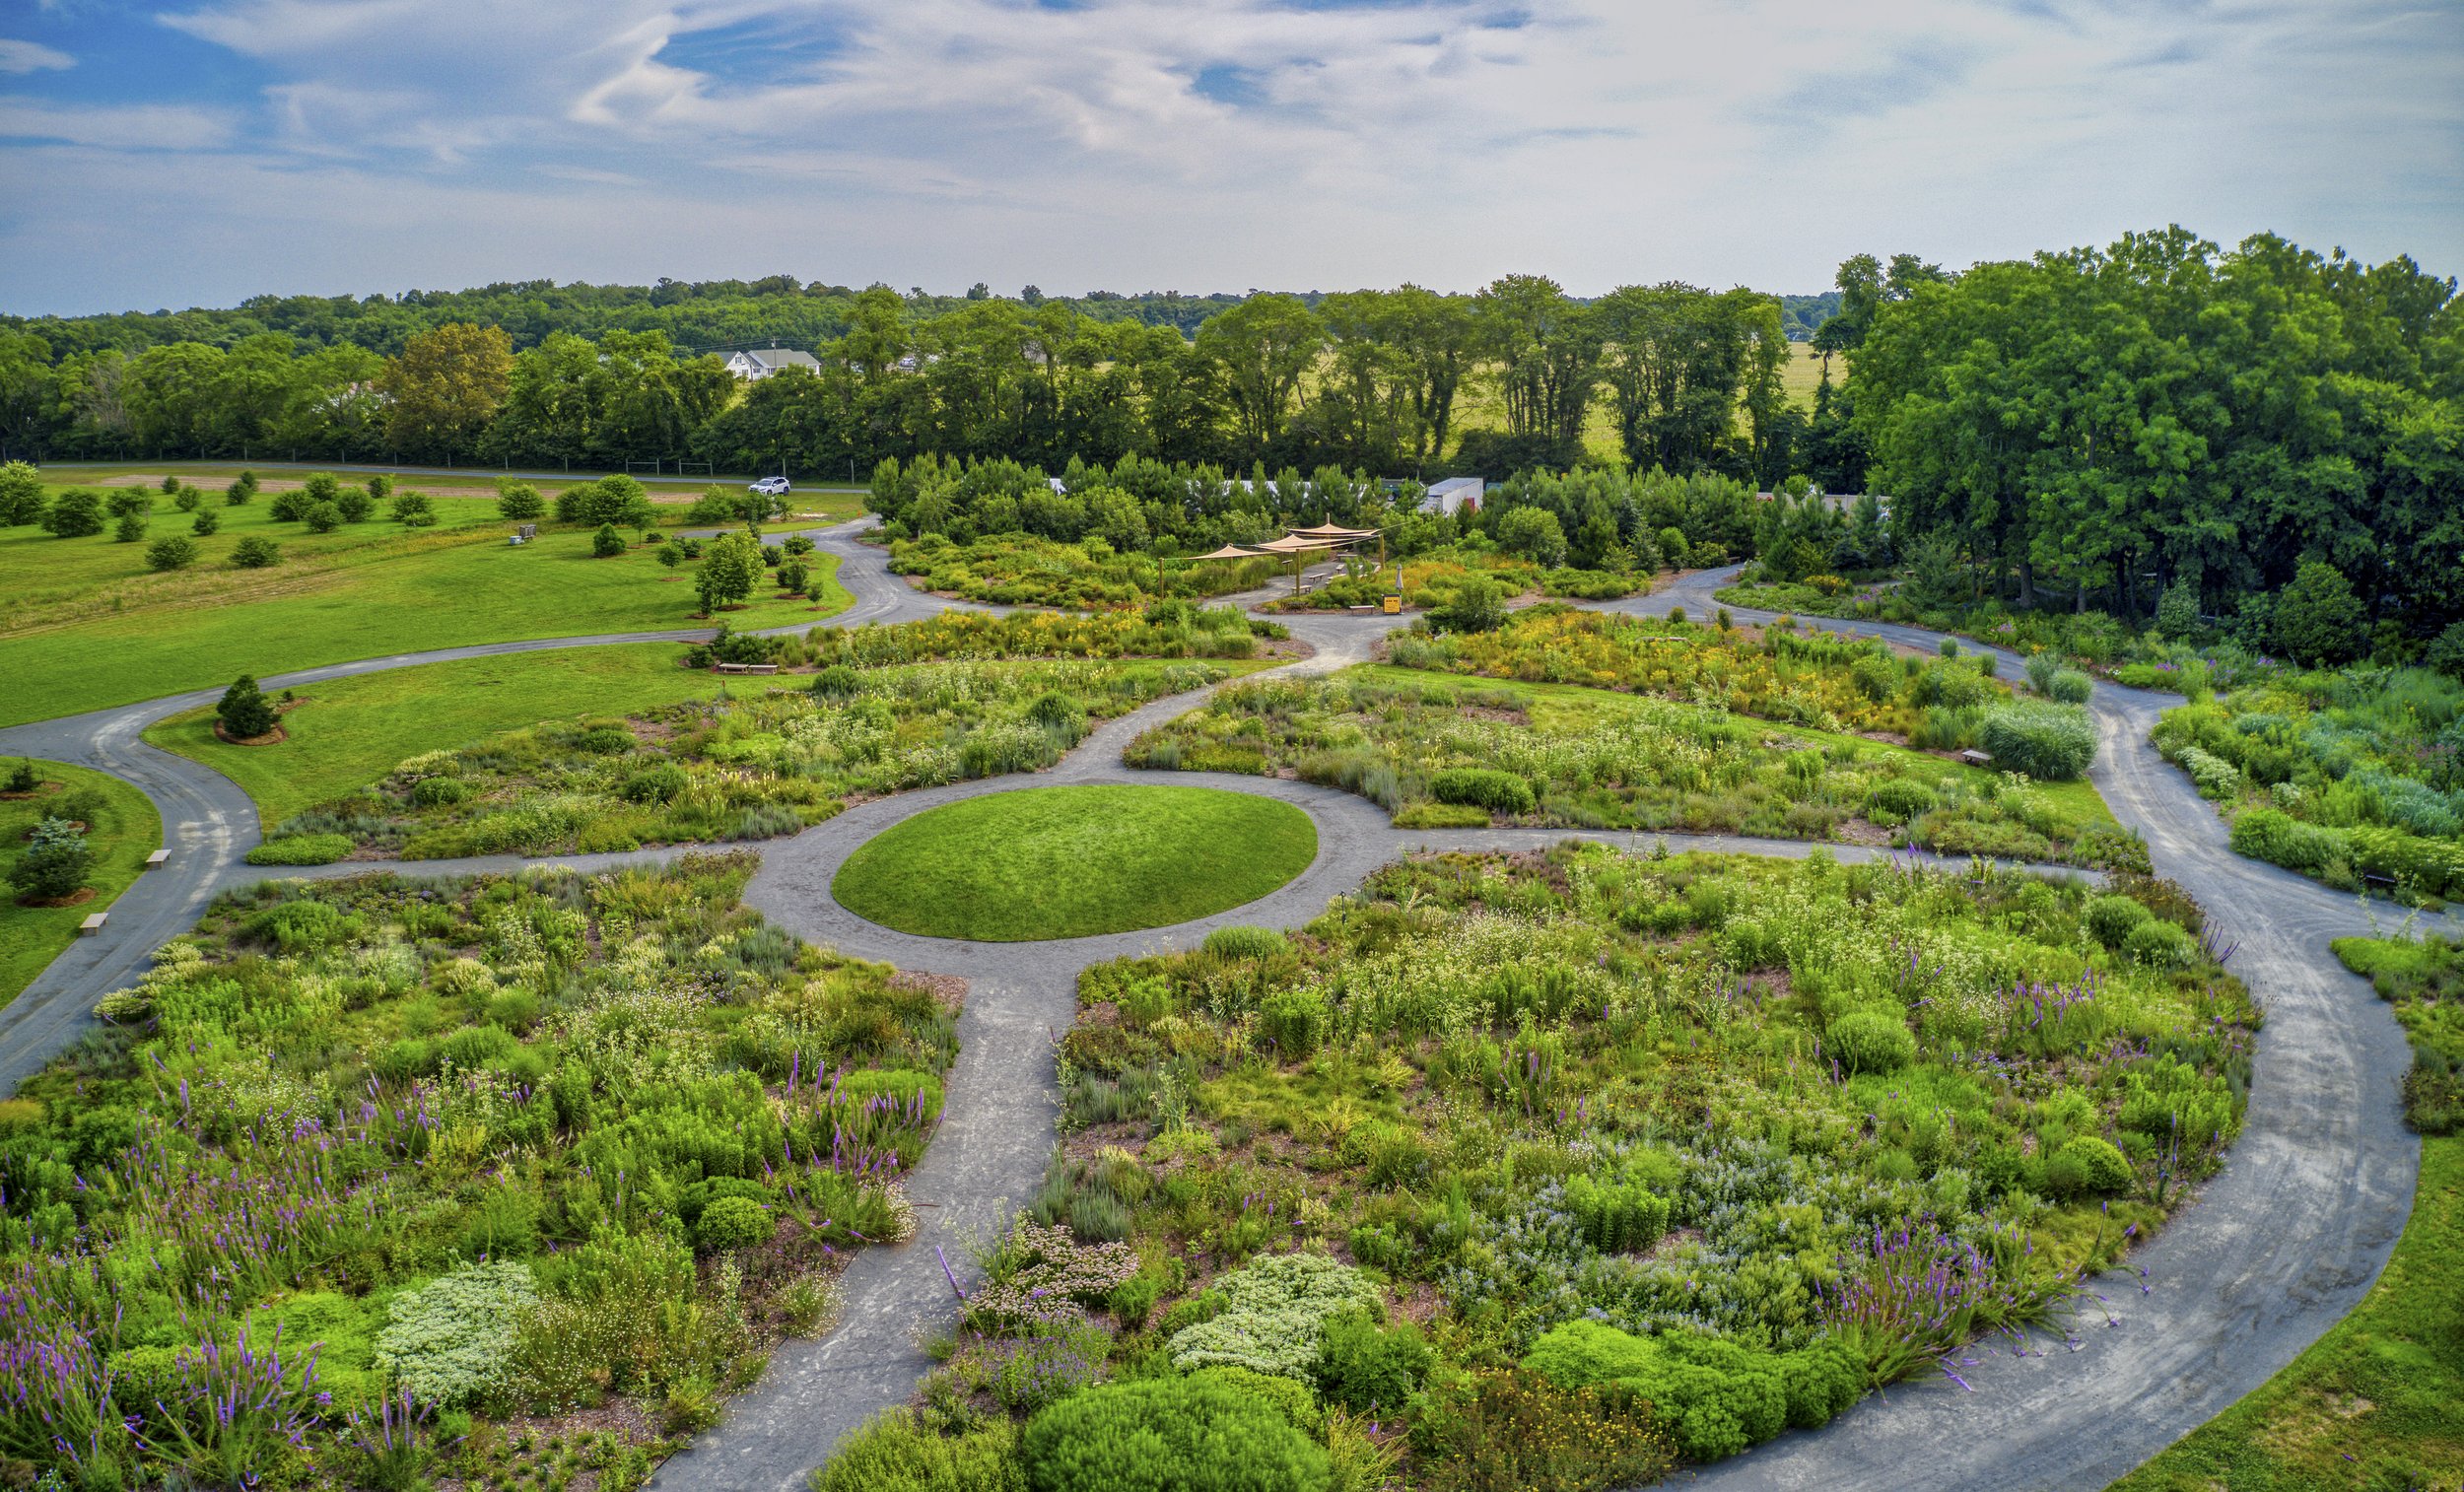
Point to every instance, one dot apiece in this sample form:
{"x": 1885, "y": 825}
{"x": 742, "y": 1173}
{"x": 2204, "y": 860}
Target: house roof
{"x": 778, "y": 357}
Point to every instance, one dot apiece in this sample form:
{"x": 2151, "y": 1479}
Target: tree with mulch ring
{"x": 246, "y": 718}
{"x": 1063, "y": 863}
{"x": 52, "y": 870}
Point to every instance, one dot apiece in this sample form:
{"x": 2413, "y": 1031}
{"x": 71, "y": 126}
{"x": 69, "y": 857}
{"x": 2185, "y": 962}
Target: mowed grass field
{"x": 123, "y": 831}
{"x": 87, "y": 626}
{"x": 347, "y": 734}
{"x": 1061, "y": 863}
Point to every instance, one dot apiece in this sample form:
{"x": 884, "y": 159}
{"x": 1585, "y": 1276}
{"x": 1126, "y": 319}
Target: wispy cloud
{"x": 1248, "y": 142}
{"x": 31, "y": 57}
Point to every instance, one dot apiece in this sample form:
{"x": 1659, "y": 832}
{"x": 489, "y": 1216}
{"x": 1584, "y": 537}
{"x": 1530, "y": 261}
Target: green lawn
{"x": 1059, "y": 862}
{"x": 2377, "y": 1402}
{"x": 124, "y": 830}
{"x": 350, "y": 732}
{"x": 475, "y": 590}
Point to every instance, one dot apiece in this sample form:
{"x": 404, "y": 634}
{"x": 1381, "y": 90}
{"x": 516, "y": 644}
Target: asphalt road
{"x": 2275, "y": 1250}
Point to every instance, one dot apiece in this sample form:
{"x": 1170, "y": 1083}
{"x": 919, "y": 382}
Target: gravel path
{"x": 2277, "y": 1249}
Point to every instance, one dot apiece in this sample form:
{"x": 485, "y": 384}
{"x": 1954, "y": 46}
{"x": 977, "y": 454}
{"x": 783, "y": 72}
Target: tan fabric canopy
{"x": 1331, "y": 531}
{"x": 1294, "y": 544}
{"x": 1228, "y": 552}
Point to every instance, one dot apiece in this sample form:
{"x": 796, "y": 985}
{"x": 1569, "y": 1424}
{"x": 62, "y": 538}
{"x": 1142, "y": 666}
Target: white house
{"x": 1452, "y": 494}
{"x": 760, "y": 363}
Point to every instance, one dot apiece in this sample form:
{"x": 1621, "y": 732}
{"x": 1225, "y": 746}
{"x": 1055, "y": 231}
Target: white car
{"x": 770, "y": 487}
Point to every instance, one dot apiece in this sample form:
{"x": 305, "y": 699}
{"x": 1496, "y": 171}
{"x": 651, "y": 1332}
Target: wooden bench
{"x": 157, "y": 860}
{"x": 746, "y": 667}
{"x": 92, "y": 924}
{"x": 1975, "y": 758}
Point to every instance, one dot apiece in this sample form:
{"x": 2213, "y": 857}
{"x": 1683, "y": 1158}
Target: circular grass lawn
{"x": 1065, "y": 863}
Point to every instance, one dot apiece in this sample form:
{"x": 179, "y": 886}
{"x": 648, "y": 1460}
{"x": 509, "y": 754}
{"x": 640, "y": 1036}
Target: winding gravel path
{"x": 2277, "y": 1249}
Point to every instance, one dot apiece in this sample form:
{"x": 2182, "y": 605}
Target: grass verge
{"x": 125, "y": 828}
{"x": 350, "y": 732}
{"x": 2372, "y": 1404}
{"x": 1061, "y": 862}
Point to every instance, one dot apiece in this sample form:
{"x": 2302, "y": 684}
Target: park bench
{"x": 1975, "y": 758}
{"x": 92, "y": 924}
{"x": 748, "y": 668}
{"x": 157, "y": 860}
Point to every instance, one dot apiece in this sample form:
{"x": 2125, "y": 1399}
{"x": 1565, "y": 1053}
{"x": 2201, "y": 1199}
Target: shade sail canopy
{"x": 1332, "y": 532}
{"x": 1293, "y": 544}
{"x": 1228, "y": 552}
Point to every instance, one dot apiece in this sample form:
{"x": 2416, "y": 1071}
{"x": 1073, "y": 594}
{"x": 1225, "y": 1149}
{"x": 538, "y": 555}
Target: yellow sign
{"x": 1394, "y": 604}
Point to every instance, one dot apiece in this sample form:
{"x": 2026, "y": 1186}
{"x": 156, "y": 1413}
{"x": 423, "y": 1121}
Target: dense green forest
{"x": 2089, "y": 427}
{"x": 1406, "y": 380}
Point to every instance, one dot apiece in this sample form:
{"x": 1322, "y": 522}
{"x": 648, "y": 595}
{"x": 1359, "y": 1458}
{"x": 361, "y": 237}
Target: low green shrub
{"x": 2069, "y": 686}
{"x": 2113, "y": 919}
{"x": 1870, "y": 1041}
{"x": 1368, "y": 1367}
{"x": 1482, "y": 787}
{"x": 2088, "y": 1166}
{"x": 1169, "y": 1435}
{"x": 734, "y": 1222}
{"x": 1714, "y": 1396}
{"x": 1902, "y": 798}
{"x": 449, "y": 1342}
{"x": 1275, "y": 1309}
{"x": 1616, "y": 1216}
{"x": 2160, "y": 945}
{"x": 2278, "y": 838}
{"x": 894, "y": 1451}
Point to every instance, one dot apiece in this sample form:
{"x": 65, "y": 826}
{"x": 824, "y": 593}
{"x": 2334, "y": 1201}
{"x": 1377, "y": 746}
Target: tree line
{"x": 1407, "y": 380}
{"x": 2100, "y": 427}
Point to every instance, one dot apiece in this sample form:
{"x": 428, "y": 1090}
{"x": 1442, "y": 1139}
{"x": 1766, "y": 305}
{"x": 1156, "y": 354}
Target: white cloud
{"x": 31, "y": 57}
{"x": 1215, "y": 143}
{"x": 133, "y": 128}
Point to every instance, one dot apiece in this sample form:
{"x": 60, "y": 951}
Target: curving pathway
{"x": 2278, "y": 1248}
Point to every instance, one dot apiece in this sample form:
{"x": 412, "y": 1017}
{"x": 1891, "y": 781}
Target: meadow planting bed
{"x": 507, "y": 1180}
{"x": 1561, "y": 1169}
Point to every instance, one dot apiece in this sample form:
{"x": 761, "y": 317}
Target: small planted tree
{"x": 255, "y": 552}
{"x": 354, "y": 503}
{"x": 607, "y": 543}
{"x": 73, "y": 514}
{"x": 171, "y": 552}
{"x": 728, "y": 571}
{"x": 520, "y": 501}
{"x": 244, "y": 711}
{"x": 22, "y": 777}
{"x": 1477, "y": 606}
{"x": 21, "y": 493}
{"x": 170, "y": 485}
{"x": 792, "y": 573}
{"x": 130, "y": 527}
{"x": 2318, "y": 618}
{"x": 207, "y": 522}
{"x": 670, "y": 556}
{"x": 379, "y": 486}
{"x": 55, "y": 864}
{"x": 323, "y": 517}
{"x": 188, "y": 499}
{"x": 413, "y": 509}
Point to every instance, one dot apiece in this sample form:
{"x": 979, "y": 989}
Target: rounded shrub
{"x": 655, "y": 785}
{"x": 2160, "y": 945}
{"x": 255, "y": 552}
{"x": 2088, "y": 1166}
{"x": 1297, "y": 1021}
{"x": 607, "y": 543}
{"x": 838, "y": 681}
{"x": 2112, "y": 918}
{"x": 2052, "y": 743}
{"x": 171, "y": 552}
{"x": 606, "y": 740}
{"x": 432, "y": 792}
{"x": 734, "y": 1222}
{"x": 1870, "y": 1041}
{"x": 1902, "y": 798}
{"x": 1058, "y": 711}
{"x": 1368, "y": 1367}
{"x": 1169, "y": 1435}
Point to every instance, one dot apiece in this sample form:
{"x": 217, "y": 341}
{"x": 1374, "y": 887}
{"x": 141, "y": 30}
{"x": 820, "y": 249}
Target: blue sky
{"x": 186, "y": 153}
